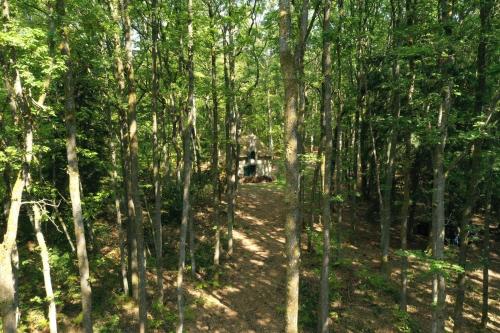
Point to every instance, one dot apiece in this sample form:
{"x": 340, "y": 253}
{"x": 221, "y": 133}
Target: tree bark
{"x": 386, "y": 209}
{"x": 188, "y": 124}
{"x": 156, "y": 153}
{"x": 438, "y": 203}
{"x": 486, "y": 262}
{"x": 215, "y": 137}
{"x": 44, "y": 254}
{"x": 231, "y": 129}
{"x": 119, "y": 222}
{"x": 74, "y": 174}
{"x": 8, "y": 249}
{"x": 291, "y": 166}
{"x": 327, "y": 144}
{"x": 134, "y": 205}
{"x": 192, "y": 249}
{"x": 474, "y": 170}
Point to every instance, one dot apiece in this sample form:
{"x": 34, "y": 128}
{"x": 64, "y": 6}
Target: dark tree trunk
{"x": 134, "y": 205}
{"x": 186, "y": 200}
{"x": 324, "y": 313}
{"x": 474, "y": 169}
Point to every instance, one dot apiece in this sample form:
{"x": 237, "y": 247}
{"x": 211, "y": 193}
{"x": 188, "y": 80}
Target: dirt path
{"x": 251, "y": 295}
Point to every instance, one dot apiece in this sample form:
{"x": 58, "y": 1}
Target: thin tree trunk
{"x": 301, "y": 104}
{"x": 474, "y": 170}
{"x": 74, "y": 182}
{"x": 404, "y": 225}
{"x": 231, "y": 146}
{"x": 156, "y": 154}
{"x": 192, "y": 250}
{"x": 36, "y": 217}
{"x": 74, "y": 176}
{"x": 291, "y": 166}
{"x": 215, "y": 140}
{"x": 486, "y": 262}
{"x": 44, "y": 254}
{"x": 324, "y": 317}
{"x": 114, "y": 6}
{"x": 314, "y": 202}
{"x": 134, "y": 205}
{"x": 188, "y": 123}
{"x": 270, "y": 123}
{"x": 64, "y": 227}
{"x": 438, "y": 204}
{"x": 116, "y": 187}
{"x": 386, "y": 209}
{"x": 407, "y": 168}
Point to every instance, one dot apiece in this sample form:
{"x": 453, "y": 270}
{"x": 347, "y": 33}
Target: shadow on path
{"x": 251, "y": 295}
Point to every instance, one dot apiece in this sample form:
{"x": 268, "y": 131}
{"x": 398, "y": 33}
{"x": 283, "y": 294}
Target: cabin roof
{"x": 246, "y": 141}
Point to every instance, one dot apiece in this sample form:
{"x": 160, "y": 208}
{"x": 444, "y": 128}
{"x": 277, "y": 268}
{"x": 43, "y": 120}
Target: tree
{"x": 73, "y": 172}
{"x": 134, "y": 201}
{"x": 292, "y": 250}
{"x": 324, "y": 318}
{"x": 474, "y": 175}
{"x": 438, "y": 203}
{"x": 189, "y": 115}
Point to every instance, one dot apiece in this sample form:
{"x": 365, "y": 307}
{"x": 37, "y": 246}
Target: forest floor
{"x": 249, "y": 294}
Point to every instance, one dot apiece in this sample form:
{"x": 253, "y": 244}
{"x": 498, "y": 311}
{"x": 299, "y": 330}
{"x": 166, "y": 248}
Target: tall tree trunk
{"x": 338, "y": 179}
{"x": 404, "y": 224}
{"x": 324, "y": 317}
{"x": 291, "y": 166}
{"x": 74, "y": 177}
{"x": 486, "y": 261}
{"x": 134, "y": 205}
{"x": 156, "y": 153}
{"x": 231, "y": 130}
{"x": 215, "y": 137}
{"x": 407, "y": 168}
{"x": 36, "y": 217}
{"x": 188, "y": 124}
{"x": 8, "y": 249}
{"x": 74, "y": 174}
{"x": 119, "y": 223}
{"x": 386, "y": 209}
{"x": 301, "y": 103}
{"x": 115, "y": 6}
{"x": 438, "y": 204}
{"x": 130, "y": 136}
{"x": 474, "y": 170}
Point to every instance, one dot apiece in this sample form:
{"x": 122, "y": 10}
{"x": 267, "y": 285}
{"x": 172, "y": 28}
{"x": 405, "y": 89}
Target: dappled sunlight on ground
{"x": 250, "y": 294}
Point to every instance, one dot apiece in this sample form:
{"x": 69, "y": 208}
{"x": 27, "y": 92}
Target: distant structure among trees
{"x": 255, "y": 157}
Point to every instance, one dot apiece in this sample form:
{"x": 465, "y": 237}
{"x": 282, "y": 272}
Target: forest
{"x": 250, "y": 166}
